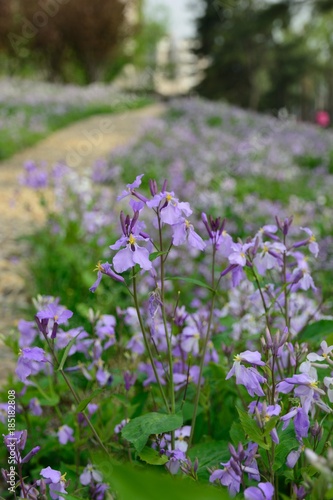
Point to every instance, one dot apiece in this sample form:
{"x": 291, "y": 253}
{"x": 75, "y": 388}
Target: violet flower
{"x": 249, "y": 377}
{"x": 183, "y": 232}
{"x": 310, "y": 241}
{"x": 130, "y": 187}
{"x": 105, "y": 269}
{"x": 132, "y": 253}
{"x": 65, "y": 434}
{"x": 172, "y": 210}
{"x": 89, "y": 475}
{"x": 56, "y": 482}
{"x": 265, "y": 491}
{"x": 301, "y": 422}
{"x": 58, "y": 314}
{"x": 31, "y": 361}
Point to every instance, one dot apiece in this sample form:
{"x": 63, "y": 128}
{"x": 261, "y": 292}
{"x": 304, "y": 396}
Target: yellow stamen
{"x": 313, "y": 384}
{"x": 312, "y": 238}
{"x": 187, "y": 223}
{"x": 265, "y": 249}
{"x": 131, "y": 239}
{"x": 99, "y": 266}
{"x": 63, "y": 477}
{"x": 237, "y": 358}
{"x": 168, "y": 197}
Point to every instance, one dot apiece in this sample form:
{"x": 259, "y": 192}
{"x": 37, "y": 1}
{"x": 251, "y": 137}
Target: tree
{"x": 88, "y": 32}
{"x": 257, "y": 59}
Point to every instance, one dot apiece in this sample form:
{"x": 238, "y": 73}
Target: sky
{"x": 181, "y": 15}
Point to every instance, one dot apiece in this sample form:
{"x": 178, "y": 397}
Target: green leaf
{"x": 152, "y": 456}
{"x": 210, "y": 454}
{"x": 67, "y": 349}
{"x": 141, "y": 484}
{"x": 190, "y": 280}
{"x": 317, "y": 331}
{"x": 288, "y": 442}
{"x": 237, "y": 434}
{"x": 138, "y": 430}
{"x": 155, "y": 255}
{"x": 83, "y": 404}
{"x": 252, "y": 430}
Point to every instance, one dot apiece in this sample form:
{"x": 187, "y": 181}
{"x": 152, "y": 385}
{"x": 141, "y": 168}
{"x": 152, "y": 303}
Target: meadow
{"x": 27, "y": 115}
{"x": 197, "y": 359}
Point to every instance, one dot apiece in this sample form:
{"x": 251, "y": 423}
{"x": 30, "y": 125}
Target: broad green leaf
{"x": 138, "y": 430}
{"x": 84, "y": 403}
{"x": 152, "y": 456}
{"x": 67, "y": 349}
{"x": 288, "y": 442}
{"x": 155, "y": 255}
{"x": 210, "y": 454}
{"x": 317, "y": 331}
{"x": 140, "y": 484}
{"x": 270, "y": 424}
{"x": 252, "y": 430}
{"x": 193, "y": 281}
{"x": 237, "y": 434}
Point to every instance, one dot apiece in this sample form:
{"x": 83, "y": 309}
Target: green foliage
{"x": 138, "y": 430}
{"x": 320, "y": 330}
{"x": 140, "y": 484}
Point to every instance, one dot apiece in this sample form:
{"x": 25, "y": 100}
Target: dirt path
{"x": 79, "y": 145}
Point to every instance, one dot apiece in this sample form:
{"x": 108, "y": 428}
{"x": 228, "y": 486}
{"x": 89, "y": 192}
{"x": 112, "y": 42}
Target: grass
{"x": 12, "y": 142}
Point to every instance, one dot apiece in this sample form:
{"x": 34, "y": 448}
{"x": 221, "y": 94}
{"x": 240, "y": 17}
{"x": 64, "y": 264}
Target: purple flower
{"x": 130, "y": 187}
{"x": 55, "y": 481}
{"x": 181, "y": 379}
{"x": 176, "y": 457}
{"x": 190, "y": 338}
{"x": 172, "y": 210}
{"x": 219, "y": 238}
{"x": 129, "y": 379}
{"x": 58, "y": 314}
{"x": 184, "y": 232}
{"x": 265, "y": 413}
{"x": 105, "y": 329}
{"x": 132, "y": 253}
{"x": 30, "y": 362}
{"x": 307, "y": 387}
{"x": 265, "y": 491}
{"x": 249, "y": 377}
{"x": 105, "y": 269}
{"x": 240, "y": 461}
{"x": 311, "y": 241}
{"x": 270, "y": 256}
{"x": 301, "y": 422}
{"x": 228, "y": 477}
{"x": 34, "y": 177}
{"x": 28, "y": 332}
{"x": 293, "y": 456}
{"x": 65, "y": 434}
{"x": 238, "y": 254}
{"x": 89, "y": 475}
{"x": 119, "y": 427}
{"x": 35, "y": 407}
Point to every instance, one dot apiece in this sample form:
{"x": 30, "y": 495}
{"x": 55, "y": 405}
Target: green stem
{"x": 169, "y": 346}
{"x": 203, "y": 354}
{"x": 75, "y": 396}
{"x": 286, "y": 304}
{"x": 146, "y": 341}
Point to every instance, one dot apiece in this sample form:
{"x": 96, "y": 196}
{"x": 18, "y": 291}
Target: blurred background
{"x": 259, "y": 54}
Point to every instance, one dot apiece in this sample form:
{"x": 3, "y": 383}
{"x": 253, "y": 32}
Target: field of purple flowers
{"x": 31, "y": 110}
{"x": 198, "y": 361}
